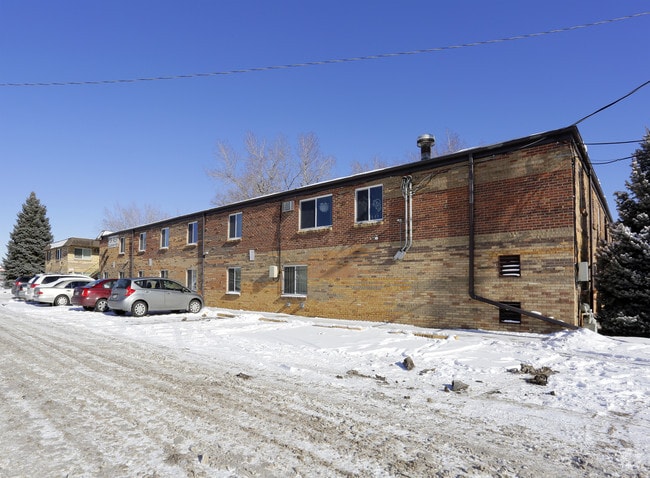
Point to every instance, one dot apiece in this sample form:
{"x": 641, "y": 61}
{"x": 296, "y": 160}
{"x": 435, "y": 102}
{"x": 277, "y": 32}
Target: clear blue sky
{"x": 87, "y": 147}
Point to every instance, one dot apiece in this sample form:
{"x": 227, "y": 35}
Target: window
{"x": 105, "y": 275}
{"x": 142, "y": 246}
{"x": 316, "y": 212}
{"x": 48, "y": 256}
{"x": 193, "y": 233}
{"x": 122, "y": 245}
{"x": 191, "y": 279}
{"x": 164, "y": 273}
{"x": 234, "y": 280}
{"x": 509, "y": 266}
{"x": 510, "y": 316}
{"x": 140, "y": 273}
{"x": 235, "y": 226}
{"x": 164, "y": 238}
{"x": 82, "y": 253}
{"x": 295, "y": 280}
{"x": 58, "y": 254}
{"x": 120, "y": 275}
{"x": 369, "y": 204}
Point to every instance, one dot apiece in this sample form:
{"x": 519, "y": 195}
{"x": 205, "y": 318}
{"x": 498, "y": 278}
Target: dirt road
{"x": 74, "y": 403}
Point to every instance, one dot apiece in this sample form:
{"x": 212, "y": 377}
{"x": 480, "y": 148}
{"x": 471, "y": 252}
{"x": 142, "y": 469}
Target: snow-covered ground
{"x": 230, "y": 393}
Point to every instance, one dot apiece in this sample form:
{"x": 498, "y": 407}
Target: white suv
{"x": 43, "y": 279}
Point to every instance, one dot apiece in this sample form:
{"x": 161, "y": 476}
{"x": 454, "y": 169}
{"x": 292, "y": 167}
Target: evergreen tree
{"x": 623, "y": 276}
{"x": 27, "y": 242}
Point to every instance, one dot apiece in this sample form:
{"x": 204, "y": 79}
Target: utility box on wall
{"x": 583, "y": 272}
{"x": 273, "y": 272}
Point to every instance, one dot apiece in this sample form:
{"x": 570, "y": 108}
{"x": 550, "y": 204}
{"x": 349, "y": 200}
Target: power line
{"x": 599, "y": 163}
{"x": 614, "y": 142}
{"x": 329, "y": 62}
{"x": 612, "y": 103}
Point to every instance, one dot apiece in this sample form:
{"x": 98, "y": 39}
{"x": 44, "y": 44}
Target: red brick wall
{"x": 524, "y": 204}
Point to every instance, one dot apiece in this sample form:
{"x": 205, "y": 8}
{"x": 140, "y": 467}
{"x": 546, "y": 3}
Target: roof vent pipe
{"x": 425, "y": 142}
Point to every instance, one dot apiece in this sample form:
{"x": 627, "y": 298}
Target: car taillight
{"x": 32, "y": 286}
{"x": 129, "y": 291}
{"x": 84, "y": 292}
{"x": 38, "y": 292}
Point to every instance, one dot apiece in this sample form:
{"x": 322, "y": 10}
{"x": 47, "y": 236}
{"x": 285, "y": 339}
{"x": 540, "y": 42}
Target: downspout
{"x": 203, "y": 254}
{"x": 407, "y": 193}
{"x": 472, "y": 247}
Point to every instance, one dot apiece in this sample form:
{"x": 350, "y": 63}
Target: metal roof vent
{"x": 425, "y": 141}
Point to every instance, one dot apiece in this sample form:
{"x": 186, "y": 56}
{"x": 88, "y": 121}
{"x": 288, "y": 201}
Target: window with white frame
{"x": 82, "y": 253}
{"x": 140, "y": 273}
{"x": 369, "y": 204}
{"x": 120, "y": 275}
{"x": 191, "y": 279}
{"x": 234, "y": 280}
{"x": 122, "y": 245}
{"x": 105, "y": 275}
{"x": 164, "y": 238}
{"x": 58, "y": 254}
{"x": 193, "y": 233}
{"x": 164, "y": 274}
{"x": 294, "y": 281}
{"x": 316, "y": 212}
{"x": 235, "y": 226}
{"x": 48, "y": 256}
{"x": 142, "y": 245}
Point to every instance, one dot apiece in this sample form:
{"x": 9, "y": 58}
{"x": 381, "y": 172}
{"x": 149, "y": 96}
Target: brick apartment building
{"x": 73, "y": 255}
{"x": 500, "y": 237}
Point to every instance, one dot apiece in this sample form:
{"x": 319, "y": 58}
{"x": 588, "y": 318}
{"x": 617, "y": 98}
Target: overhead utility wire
{"x": 332, "y": 61}
{"x": 612, "y": 103}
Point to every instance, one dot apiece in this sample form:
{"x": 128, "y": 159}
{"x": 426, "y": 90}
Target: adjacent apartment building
{"x": 499, "y": 237}
{"x": 73, "y": 255}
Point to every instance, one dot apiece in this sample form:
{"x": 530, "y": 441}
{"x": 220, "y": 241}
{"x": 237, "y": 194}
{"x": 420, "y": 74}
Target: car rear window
{"x": 122, "y": 284}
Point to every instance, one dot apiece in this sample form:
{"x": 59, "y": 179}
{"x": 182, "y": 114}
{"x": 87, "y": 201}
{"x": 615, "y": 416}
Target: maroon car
{"x": 93, "y": 296}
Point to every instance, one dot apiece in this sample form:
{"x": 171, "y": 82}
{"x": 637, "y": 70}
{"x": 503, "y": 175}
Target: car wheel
{"x": 61, "y": 300}
{"x": 195, "y": 306}
{"x": 139, "y": 309}
{"x": 101, "y": 305}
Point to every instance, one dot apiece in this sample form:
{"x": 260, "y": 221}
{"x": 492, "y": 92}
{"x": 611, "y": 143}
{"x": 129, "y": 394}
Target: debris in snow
{"x": 408, "y": 363}
{"x": 540, "y": 375}
{"x": 456, "y": 386}
{"x": 243, "y": 376}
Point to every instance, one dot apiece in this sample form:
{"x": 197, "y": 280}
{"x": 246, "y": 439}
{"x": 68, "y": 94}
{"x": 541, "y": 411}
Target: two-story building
{"x": 73, "y": 255}
{"x": 499, "y": 237}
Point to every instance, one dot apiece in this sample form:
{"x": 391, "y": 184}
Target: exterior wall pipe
{"x": 472, "y": 247}
{"x": 407, "y": 193}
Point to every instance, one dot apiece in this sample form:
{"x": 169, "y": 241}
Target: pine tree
{"x": 623, "y": 277}
{"x": 27, "y": 242}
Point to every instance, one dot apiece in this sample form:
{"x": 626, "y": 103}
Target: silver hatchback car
{"x": 141, "y": 295}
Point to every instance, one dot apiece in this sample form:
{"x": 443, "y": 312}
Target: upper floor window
{"x": 122, "y": 245}
{"x": 235, "y": 226}
{"x": 58, "y": 254}
{"x": 164, "y": 273}
{"x": 142, "y": 246}
{"x": 82, "y": 253}
{"x": 369, "y": 204}
{"x": 316, "y": 212}
{"x": 164, "y": 238}
{"x": 193, "y": 233}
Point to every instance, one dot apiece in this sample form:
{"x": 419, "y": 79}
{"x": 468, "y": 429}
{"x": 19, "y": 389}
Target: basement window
{"x": 510, "y": 266}
{"x": 510, "y": 316}
{"x": 294, "y": 281}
